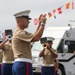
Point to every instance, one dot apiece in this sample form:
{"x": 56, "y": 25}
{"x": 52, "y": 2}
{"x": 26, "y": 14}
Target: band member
{"x": 8, "y": 57}
{"x": 49, "y": 55}
{"x": 21, "y": 42}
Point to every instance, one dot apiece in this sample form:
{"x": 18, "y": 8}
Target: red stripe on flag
{"x": 72, "y": 4}
{"x": 35, "y": 21}
{"x": 54, "y": 11}
{"x": 59, "y": 10}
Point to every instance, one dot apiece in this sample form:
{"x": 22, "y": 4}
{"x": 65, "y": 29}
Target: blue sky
{"x": 9, "y": 7}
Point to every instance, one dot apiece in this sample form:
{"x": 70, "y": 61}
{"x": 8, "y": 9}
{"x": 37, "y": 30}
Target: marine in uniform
{"x": 8, "y": 57}
{"x": 21, "y": 42}
{"x": 49, "y": 55}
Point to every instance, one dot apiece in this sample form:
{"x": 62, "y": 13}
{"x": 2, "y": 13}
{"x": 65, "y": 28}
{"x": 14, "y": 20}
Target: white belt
{"x": 8, "y": 62}
{"x": 47, "y": 64}
{"x": 23, "y": 60}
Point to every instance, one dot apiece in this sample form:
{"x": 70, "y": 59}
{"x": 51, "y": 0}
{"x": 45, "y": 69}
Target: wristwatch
{"x": 42, "y": 24}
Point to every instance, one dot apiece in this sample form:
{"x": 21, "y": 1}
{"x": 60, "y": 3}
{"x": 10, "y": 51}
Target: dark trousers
{"x": 48, "y": 70}
{"x": 6, "y": 69}
{"x": 22, "y": 68}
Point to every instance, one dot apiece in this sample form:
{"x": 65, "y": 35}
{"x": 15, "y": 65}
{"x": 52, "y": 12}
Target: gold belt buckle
{"x": 8, "y": 61}
{"x": 47, "y": 64}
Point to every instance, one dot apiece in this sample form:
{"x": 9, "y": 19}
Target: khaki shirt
{"x": 8, "y": 53}
{"x": 21, "y": 44}
{"x": 48, "y": 58}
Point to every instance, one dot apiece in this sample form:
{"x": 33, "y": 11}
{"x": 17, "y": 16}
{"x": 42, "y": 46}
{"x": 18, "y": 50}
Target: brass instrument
{"x": 44, "y": 46}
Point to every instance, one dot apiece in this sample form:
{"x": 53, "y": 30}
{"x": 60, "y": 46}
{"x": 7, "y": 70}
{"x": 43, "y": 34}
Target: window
{"x": 60, "y": 47}
{"x": 69, "y": 43}
{"x": 71, "y": 46}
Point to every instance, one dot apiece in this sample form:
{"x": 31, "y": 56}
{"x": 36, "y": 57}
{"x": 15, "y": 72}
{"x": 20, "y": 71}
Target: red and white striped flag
{"x": 59, "y": 10}
{"x": 35, "y": 21}
{"x": 72, "y": 4}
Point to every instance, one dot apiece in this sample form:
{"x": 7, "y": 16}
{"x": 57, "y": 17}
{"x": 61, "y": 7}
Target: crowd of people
{"x": 17, "y": 57}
